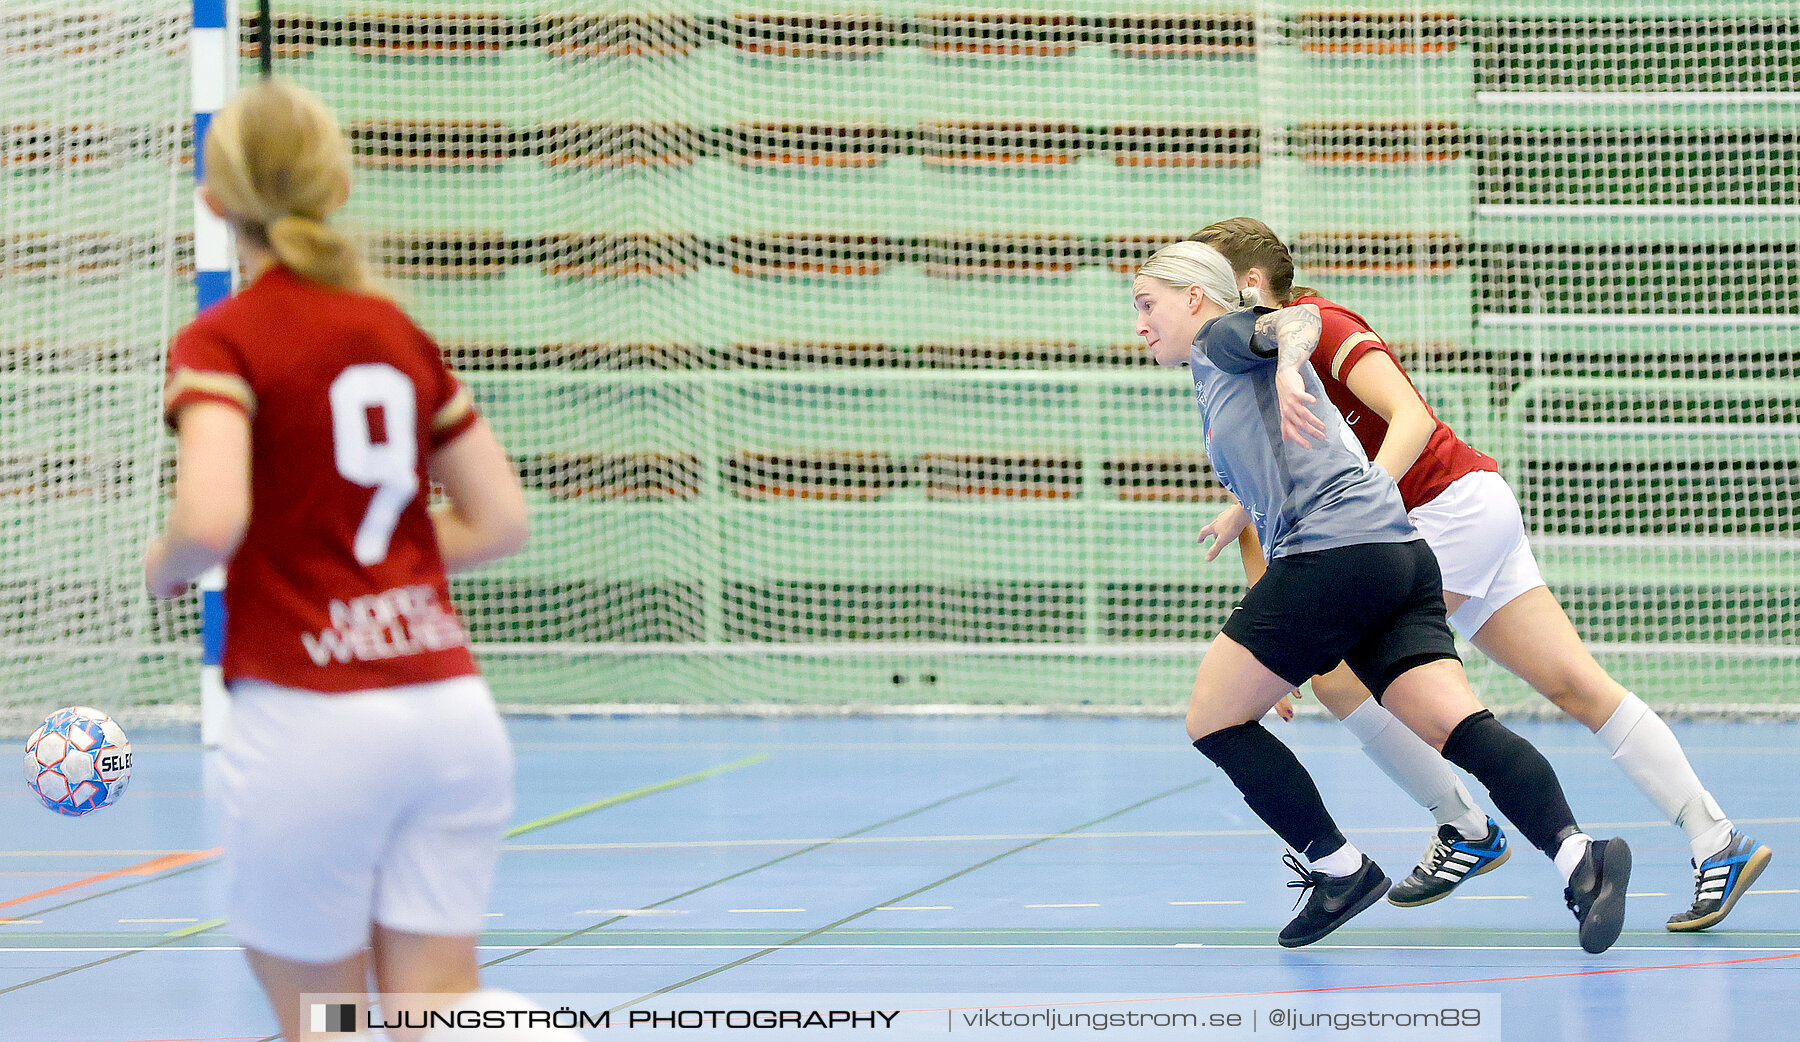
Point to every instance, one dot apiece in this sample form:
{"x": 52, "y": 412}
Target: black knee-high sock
{"x": 1518, "y": 778}
{"x": 1275, "y": 786}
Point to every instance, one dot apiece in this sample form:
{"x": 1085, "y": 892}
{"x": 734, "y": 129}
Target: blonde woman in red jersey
{"x": 367, "y": 778}
{"x": 1496, "y": 598}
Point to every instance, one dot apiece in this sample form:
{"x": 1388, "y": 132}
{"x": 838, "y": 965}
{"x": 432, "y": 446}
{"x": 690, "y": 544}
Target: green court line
{"x": 758, "y": 867}
{"x": 189, "y": 931}
{"x": 588, "y": 808}
{"x": 958, "y": 874}
{"x": 168, "y": 938}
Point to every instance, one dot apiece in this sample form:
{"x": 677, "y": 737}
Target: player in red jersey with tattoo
{"x": 1496, "y": 598}
{"x": 367, "y": 778}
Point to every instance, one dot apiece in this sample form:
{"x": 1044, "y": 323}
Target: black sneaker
{"x": 1596, "y": 893}
{"x": 1449, "y": 860}
{"x": 1331, "y": 901}
{"x": 1720, "y": 880}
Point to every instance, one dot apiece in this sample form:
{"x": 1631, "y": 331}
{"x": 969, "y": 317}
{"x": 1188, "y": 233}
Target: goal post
{"x": 213, "y": 47}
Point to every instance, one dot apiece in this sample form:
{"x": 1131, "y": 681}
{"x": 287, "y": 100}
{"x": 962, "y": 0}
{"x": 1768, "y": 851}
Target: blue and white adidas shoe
{"x": 1448, "y": 860}
{"x": 1720, "y": 880}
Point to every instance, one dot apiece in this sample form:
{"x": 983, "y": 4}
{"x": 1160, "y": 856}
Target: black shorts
{"x": 1377, "y": 606}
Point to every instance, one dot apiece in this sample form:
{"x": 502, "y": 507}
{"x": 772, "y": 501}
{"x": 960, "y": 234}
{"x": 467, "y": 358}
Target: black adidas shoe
{"x": 1596, "y": 893}
{"x": 1449, "y": 860}
{"x": 1720, "y": 880}
{"x": 1331, "y": 901}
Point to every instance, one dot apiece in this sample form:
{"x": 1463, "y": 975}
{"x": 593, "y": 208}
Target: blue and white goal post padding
{"x": 212, "y": 45}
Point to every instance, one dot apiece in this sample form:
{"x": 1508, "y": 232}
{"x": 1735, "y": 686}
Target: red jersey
{"x": 338, "y": 584}
{"x": 1344, "y": 340}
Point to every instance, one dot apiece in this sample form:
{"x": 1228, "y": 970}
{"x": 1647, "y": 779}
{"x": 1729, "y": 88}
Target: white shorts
{"x": 1475, "y": 529}
{"x": 382, "y": 806}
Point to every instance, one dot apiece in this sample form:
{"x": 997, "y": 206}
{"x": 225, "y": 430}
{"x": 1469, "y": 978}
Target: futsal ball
{"x": 78, "y": 761}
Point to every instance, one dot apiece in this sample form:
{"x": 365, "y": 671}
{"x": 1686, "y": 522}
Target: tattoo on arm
{"x": 1296, "y": 334}
{"x": 1265, "y": 324}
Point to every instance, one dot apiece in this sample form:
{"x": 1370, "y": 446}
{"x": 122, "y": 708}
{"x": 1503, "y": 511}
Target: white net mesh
{"x": 94, "y": 267}
{"x": 809, "y": 323}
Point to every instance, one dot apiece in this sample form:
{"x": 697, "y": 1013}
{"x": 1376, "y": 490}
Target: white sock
{"x": 1570, "y": 853}
{"x": 498, "y": 999}
{"x": 1340, "y": 862}
{"x": 1644, "y": 747}
{"x": 1707, "y": 827}
{"x": 1417, "y": 768}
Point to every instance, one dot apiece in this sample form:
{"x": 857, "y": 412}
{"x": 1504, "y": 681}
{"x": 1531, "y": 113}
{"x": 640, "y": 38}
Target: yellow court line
{"x": 21, "y": 922}
{"x": 588, "y": 808}
{"x": 1775, "y": 891}
{"x": 1646, "y": 893}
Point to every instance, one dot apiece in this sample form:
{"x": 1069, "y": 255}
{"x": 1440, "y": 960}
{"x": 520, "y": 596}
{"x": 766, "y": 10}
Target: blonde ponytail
{"x": 319, "y": 252}
{"x": 279, "y": 165}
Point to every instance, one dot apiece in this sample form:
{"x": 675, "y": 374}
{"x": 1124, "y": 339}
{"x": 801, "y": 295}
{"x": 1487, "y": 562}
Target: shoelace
{"x": 1307, "y": 880}
{"x": 1438, "y": 854}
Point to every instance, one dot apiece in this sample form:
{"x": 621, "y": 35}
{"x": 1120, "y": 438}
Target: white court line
{"x": 1015, "y": 837}
{"x": 1684, "y": 950}
{"x": 1673, "y": 949}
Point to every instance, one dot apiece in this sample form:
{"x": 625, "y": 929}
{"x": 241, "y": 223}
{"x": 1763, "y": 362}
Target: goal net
{"x": 95, "y": 273}
{"x": 808, "y": 323}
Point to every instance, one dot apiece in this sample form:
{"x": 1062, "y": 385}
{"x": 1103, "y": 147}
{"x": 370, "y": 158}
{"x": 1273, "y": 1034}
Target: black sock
{"x": 1518, "y": 779}
{"x": 1275, "y": 786}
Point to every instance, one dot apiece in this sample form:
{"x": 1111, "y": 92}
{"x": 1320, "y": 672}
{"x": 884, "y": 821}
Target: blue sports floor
{"x": 931, "y": 856}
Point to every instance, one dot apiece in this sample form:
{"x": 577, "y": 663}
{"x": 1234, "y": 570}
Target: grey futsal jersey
{"x": 1300, "y": 499}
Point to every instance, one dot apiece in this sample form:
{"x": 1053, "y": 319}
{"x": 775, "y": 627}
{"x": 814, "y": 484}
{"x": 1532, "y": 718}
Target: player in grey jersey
{"x": 1348, "y": 580}
{"x": 1300, "y": 497}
